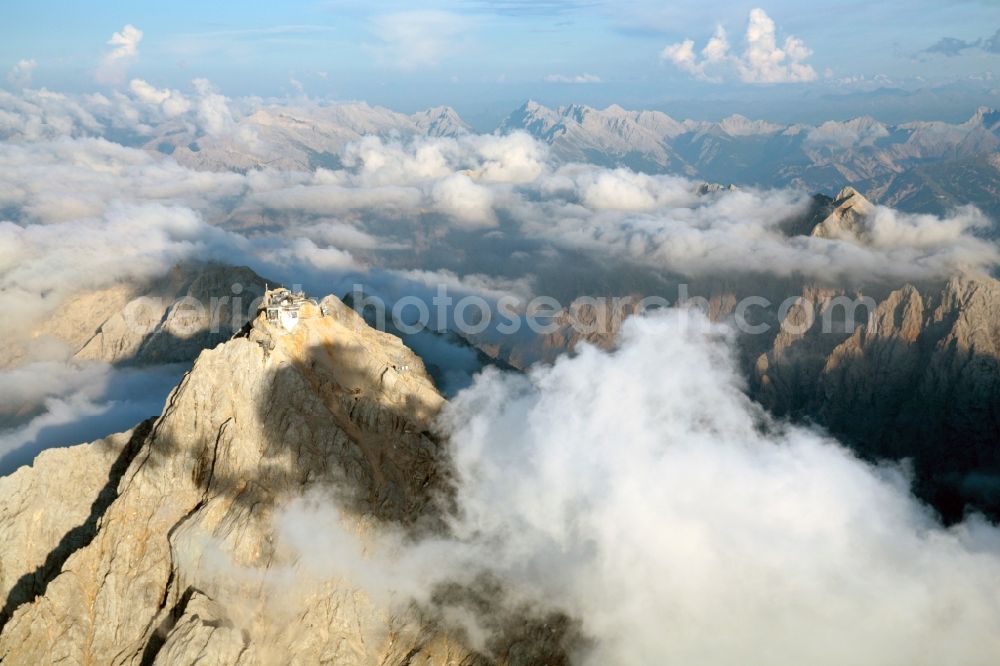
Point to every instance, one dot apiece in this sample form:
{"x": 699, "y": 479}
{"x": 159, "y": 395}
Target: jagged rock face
{"x": 256, "y": 421}
{"x": 191, "y": 309}
{"x": 920, "y": 380}
{"x": 40, "y": 521}
{"x": 194, "y": 306}
{"x": 846, "y": 221}
{"x": 181, "y": 563}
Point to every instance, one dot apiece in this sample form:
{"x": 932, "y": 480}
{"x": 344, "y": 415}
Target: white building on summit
{"x": 282, "y": 307}
{"x": 285, "y": 308}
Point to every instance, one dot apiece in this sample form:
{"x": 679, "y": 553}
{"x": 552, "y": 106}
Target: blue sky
{"x": 482, "y": 57}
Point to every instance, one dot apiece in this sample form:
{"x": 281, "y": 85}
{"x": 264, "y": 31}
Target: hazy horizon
{"x": 895, "y": 61}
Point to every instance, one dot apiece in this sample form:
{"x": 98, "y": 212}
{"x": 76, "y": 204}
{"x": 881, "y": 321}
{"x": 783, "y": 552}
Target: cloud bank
{"x": 399, "y": 213}
{"x": 377, "y": 209}
{"x": 643, "y": 494}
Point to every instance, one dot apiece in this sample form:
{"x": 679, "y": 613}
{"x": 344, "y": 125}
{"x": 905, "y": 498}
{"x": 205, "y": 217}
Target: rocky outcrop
{"x": 846, "y": 221}
{"x": 192, "y": 308}
{"x": 169, "y": 319}
{"x": 51, "y": 509}
{"x": 919, "y": 380}
{"x": 185, "y": 566}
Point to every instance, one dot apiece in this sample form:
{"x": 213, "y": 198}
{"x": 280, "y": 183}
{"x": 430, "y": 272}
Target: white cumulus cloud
{"x": 171, "y": 102}
{"x": 469, "y": 204}
{"x": 762, "y": 61}
{"x": 115, "y": 63}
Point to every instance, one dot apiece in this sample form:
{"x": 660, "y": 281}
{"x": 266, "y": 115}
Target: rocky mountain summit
{"x": 849, "y": 210}
{"x": 614, "y": 135}
{"x": 169, "y": 553}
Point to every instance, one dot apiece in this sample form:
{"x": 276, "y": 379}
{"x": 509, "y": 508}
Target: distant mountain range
{"x": 926, "y": 166}
{"x": 290, "y": 137}
{"x": 921, "y": 166}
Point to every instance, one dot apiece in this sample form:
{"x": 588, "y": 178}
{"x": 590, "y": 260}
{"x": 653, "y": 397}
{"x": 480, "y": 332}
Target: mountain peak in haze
{"x": 846, "y": 221}
{"x": 610, "y": 136}
{"x": 737, "y": 125}
{"x": 986, "y": 117}
{"x": 162, "y": 320}
{"x": 440, "y": 121}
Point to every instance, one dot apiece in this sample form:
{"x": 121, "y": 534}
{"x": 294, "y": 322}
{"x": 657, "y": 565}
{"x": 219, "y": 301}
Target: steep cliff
{"x": 919, "y": 380}
{"x": 184, "y": 565}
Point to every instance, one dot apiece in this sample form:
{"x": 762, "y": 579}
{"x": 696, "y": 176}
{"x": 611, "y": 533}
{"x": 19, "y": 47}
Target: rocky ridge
{"x": 920, "y": 379}
{"x": 183, "y": 565}
{"x": 165, "y": 320}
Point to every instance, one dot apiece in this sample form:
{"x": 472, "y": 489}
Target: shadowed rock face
{"x": 184, "y": 562}
{"x": 920, "y": 380}
{"x": 194, "y": 307}
{"x": 167, "y": 320}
